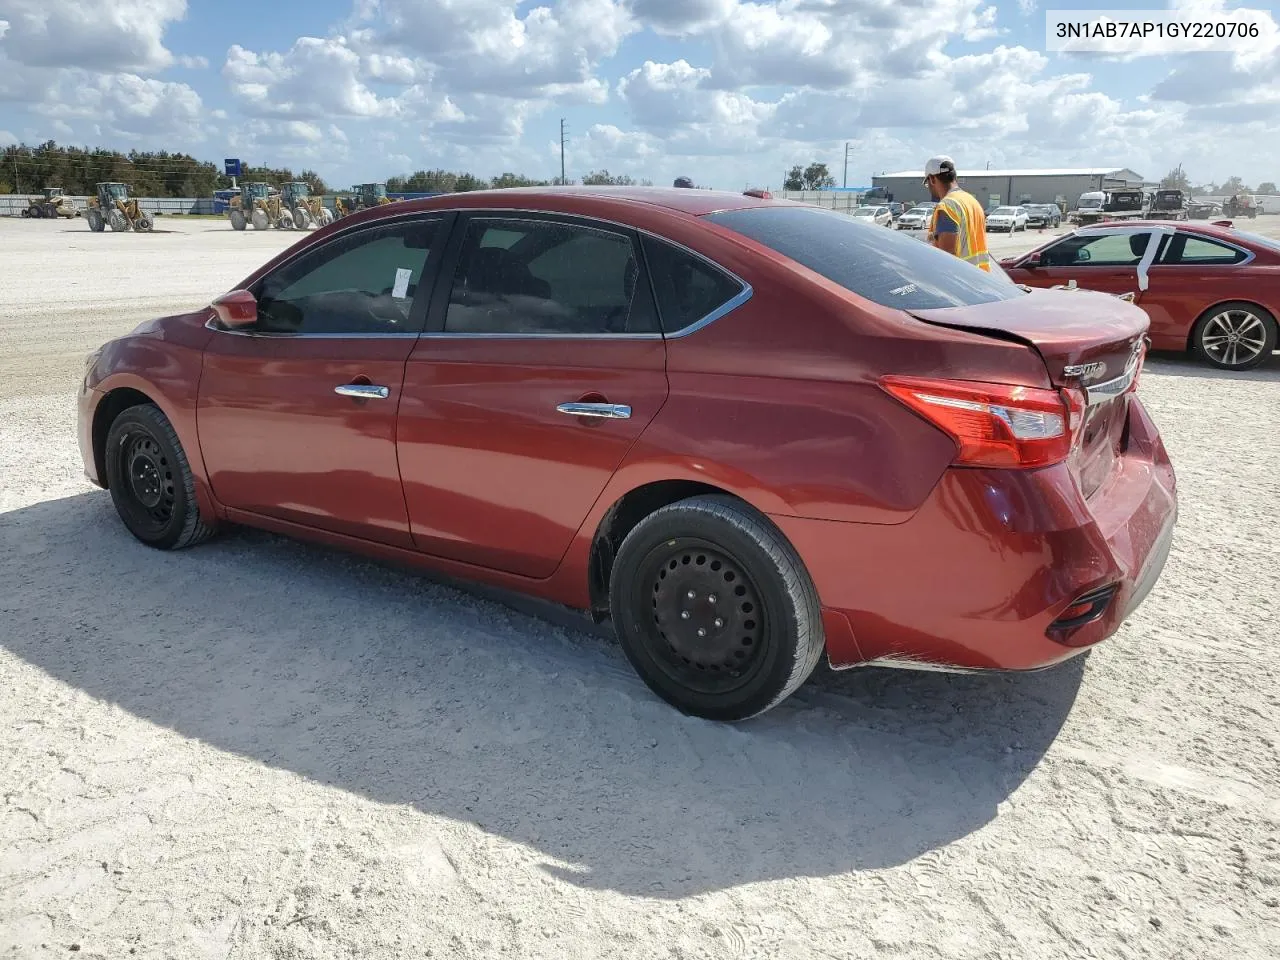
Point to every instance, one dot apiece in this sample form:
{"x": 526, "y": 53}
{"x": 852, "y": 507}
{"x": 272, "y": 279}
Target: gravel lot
{"x": 259, "y": 748}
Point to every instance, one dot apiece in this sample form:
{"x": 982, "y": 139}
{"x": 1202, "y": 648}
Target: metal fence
{"x": 12, "y": 205}
{"x": 842, "y": 200}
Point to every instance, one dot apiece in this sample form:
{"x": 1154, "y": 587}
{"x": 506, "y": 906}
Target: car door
{"x": 1096, "y": 259}
{"x": 1192, "y": 272}
{"x": 297, "y": 414}
{"x": 542, "y": 364}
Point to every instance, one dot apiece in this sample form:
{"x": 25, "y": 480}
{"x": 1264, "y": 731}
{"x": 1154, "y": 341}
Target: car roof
{"x": 1207, "y": 227}
{"x": 680, "y": 200}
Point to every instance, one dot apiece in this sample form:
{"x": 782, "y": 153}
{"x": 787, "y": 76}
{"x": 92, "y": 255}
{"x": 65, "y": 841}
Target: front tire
{"x": 1234, "y": 336}
{"x": 151, "y": 482}
{"x": 94, "y": 219}
{"x": 238, "y": 221}
{"x": 714, "y": 609}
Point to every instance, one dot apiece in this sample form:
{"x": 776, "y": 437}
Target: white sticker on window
{"x": 401, "y": 288}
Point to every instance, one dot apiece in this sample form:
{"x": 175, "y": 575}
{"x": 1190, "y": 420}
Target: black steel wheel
{"x": 150, "y": 480}
{"x": 714, "y": 609}
{"x": 1235, "y": 336}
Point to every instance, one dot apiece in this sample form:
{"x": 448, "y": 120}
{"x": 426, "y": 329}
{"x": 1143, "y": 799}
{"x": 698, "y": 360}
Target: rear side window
{"x": 537, "y": 277}
{"x": 1200, "y": 251}
{"x": 687, "y": 287}
{"x": 886, "y": 267}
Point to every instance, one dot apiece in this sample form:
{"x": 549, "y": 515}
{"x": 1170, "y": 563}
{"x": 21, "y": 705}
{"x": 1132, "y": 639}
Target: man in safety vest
{"x": 958, "y": 224}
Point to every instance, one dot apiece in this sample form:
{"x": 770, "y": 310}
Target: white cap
{"x": 938, "y": 164}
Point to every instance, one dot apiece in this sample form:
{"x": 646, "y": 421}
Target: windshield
{"x": 865, "y": 212}
{"x": 1005, "y": 211}
{"x": 117, "y": 190}
{"x": 917, "y": 212}
{"x": 887, "y": 267}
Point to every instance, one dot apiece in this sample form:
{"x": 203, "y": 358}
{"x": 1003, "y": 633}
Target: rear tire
{"x": 259, "y": 219}
{"x": 151, "y": 482}
{"x": 1234, "y": 336}
{"x": 714, "y": 609}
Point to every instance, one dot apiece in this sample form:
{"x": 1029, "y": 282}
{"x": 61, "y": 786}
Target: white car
{"x": 878, "y": 215}
{"x": 1007, "y": 218}
{"x": 917, "y": 218}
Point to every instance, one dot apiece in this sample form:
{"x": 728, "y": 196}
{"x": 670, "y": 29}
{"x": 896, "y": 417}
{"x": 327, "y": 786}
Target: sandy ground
{"x": 263, "y": 749}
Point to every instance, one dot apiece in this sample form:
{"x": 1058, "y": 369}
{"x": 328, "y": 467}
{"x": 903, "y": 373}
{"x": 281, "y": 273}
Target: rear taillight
{"x": 994, "y": 424}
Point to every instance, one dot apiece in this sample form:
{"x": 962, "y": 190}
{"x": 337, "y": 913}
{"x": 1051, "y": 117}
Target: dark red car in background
{"x": 748, "y": 431}
{"x": 1208, "y": 287}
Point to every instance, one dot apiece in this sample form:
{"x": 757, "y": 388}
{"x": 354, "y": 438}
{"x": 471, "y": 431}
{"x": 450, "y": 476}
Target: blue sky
{"x": 726, "y": 91}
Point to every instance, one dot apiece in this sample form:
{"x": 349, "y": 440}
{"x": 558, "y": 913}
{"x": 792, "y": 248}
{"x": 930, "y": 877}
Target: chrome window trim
{"x": 492, "y": 213}
{"x": 744, "y": 294}
{"x": 212, "y": 324}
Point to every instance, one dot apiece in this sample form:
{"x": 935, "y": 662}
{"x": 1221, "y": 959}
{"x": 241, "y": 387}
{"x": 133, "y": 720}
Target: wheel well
{"x": 620, "y": 520}
{"x": 1191, "y": 334}
{"x": 109, "y": 407}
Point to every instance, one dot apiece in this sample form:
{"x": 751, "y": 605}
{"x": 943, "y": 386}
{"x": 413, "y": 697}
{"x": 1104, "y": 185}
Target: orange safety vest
{"x": 971, "y": 224}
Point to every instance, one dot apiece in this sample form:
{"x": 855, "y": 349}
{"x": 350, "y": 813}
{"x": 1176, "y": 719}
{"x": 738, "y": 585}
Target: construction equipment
{"x": 363, "y": 196}
{"x": 52, "y": 204}
{"x": 306, "y": 209}
{"x": 259, "y": 204}
{"x": 115, "y": 208}
{"x": 1240, "y": 205}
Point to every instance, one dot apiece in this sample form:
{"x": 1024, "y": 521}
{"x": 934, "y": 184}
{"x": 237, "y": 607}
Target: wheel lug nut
{"x": 712, "y": 598}
{"x": 691, "y": 595}
{"x": 684, "y": 614}
{"x": 719, "y": 623}
{"x": 702, "y": 631}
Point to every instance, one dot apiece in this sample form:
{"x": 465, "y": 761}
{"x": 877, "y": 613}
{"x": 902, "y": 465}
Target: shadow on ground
{"x": 406, "y": 691}
{"x": 1185, "y": 365}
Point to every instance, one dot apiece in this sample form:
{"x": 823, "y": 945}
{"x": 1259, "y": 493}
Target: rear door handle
{"x": 362, "y": 391}
{"x": 608, "y": 411}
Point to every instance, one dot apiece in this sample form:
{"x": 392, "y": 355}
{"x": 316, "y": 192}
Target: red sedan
{"x": 748, "y": 431}
{"x": 1207, "y": 287}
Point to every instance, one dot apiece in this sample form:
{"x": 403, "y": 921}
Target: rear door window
{"x": 1187, "y": 250}
{"x": 538, "y": 277}
{"x": 886, "y": 267}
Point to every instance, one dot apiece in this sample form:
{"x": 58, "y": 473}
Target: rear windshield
{"x": 884, "y": 266}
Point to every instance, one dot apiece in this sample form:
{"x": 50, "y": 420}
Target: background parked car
{"x": 1211, "y": 289}
{"x": 1043, "y": 215}
{"x": 1007, "y": 218}
{"x": 878, "y": 215}
{"x": 917, "y": 218}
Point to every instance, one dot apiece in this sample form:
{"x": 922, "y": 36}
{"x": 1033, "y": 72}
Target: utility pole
{"x": 563, "y": 138}
{"x": 846, "y": 164}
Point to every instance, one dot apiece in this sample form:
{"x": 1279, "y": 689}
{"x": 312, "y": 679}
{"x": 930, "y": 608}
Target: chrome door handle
{"x": 362, "y": 391}
{"x": 609, "y": 411}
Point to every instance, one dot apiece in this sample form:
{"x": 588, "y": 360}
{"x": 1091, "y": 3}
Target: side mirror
{"x": 1032, "y": 261}
{"x": 236, "y": 310}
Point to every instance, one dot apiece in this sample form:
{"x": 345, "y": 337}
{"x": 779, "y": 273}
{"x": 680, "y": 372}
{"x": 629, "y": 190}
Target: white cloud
{"x": 7, "y": 139}
{"x": 193, "y": 63}
{"x": 106, "y": 35}
{"x": 315, "y": 76}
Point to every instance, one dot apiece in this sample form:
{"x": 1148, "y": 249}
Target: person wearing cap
{"x": 958, "y": 224}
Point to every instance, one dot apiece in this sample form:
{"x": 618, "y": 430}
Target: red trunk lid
{"x": 1071, "y": 329}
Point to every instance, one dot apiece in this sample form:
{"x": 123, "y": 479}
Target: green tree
{"x": 516, "y": 180}
{"x": 817, "y": 177}
{"x": 1176, "y": 179}
{"x": 794, "y": 180}
{"x": 1233, "y": 185}
{"x": 1268, "y": 188}
{"x": 602, "y": 178}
